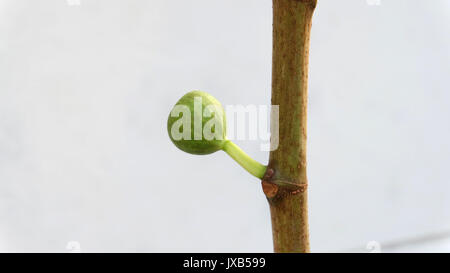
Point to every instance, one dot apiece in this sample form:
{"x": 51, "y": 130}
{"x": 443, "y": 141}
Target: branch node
{"x": 269, "y": 189}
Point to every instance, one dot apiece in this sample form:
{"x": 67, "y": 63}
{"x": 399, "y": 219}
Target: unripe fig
{"x": 197, "y": 125}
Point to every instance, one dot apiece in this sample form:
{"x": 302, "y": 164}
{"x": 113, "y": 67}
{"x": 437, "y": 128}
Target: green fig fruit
{"x": 197, "y": 125}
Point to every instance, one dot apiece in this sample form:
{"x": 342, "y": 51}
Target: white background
{"x": 85, "y": 91}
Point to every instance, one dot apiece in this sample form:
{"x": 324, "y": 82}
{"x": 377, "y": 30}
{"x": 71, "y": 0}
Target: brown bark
{"x": 285, "y": 182}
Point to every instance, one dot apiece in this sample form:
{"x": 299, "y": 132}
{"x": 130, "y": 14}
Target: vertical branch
{"x": 285, "y": 181}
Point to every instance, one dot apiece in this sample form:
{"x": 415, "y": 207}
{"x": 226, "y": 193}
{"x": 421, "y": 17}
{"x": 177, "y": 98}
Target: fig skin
{"x": 201, "y": 146}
